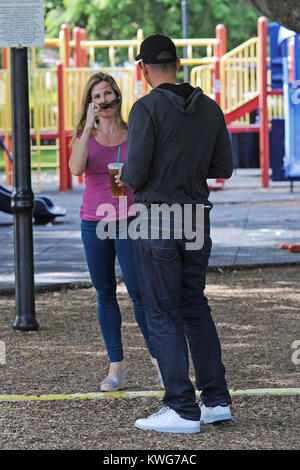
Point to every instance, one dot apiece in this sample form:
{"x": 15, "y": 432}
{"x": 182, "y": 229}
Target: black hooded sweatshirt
{"x": 177, "y": 138}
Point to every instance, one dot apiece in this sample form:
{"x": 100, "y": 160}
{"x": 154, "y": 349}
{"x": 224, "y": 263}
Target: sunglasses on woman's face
{"x": 140, "y": 64}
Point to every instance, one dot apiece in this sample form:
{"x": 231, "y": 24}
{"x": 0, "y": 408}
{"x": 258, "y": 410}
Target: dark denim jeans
{"x": 172, "y": 282}
{"x": 100, "y": 256}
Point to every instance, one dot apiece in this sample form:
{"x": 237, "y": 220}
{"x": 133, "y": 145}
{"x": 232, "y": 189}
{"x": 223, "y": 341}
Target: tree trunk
{"x": 286, "y": 13}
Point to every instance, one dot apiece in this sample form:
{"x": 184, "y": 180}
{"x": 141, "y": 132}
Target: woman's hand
{"x": 92, "y": 115}
{"x": 79, "y": 156}
{"x": 117, "y": 179}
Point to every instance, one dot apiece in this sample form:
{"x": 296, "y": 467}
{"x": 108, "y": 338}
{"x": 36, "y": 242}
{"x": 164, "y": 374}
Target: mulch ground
{"x": 256, "y": 312}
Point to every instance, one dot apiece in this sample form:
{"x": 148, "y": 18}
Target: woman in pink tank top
{"x": 99, "y": 138}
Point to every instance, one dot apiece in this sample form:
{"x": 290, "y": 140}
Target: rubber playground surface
{"x": 50, "y": 396}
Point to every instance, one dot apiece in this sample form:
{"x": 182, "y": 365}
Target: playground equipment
{"x": 285, "y": 139}
{"x": 291, "y": 163}
{"x": 44, "y": 209}
{"x": 56, "y": 93}
{"x": 286, "y": 147}
{"x": 241, "y": 81}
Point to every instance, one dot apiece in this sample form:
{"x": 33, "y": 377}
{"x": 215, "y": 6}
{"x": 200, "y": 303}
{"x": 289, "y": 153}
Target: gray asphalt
{"x": 248, "y": 223}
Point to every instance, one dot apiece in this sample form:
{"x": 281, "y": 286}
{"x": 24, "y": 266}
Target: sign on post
{"x": 21, "y": 23}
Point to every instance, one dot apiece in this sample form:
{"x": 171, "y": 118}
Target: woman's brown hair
{"x": 87, "y": 98}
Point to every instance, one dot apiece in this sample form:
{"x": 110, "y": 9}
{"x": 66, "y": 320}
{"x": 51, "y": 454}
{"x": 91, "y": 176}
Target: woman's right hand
{"x": 91, "y": 115}
{"x": 79, "y": 156}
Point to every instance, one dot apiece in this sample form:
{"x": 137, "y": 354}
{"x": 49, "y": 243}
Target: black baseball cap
{"x": 152, "y": 46}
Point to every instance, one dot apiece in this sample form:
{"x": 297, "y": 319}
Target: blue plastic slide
{"x": 291, "y": 96}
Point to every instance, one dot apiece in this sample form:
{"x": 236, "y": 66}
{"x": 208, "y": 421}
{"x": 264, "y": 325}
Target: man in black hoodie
{"x": 177, "y": 138}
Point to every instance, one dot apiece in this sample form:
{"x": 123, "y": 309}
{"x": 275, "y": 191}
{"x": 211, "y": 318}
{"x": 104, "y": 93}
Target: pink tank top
{"x": 97, "y": 202}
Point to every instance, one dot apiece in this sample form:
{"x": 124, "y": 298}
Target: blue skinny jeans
{"x": 100, "y": 256}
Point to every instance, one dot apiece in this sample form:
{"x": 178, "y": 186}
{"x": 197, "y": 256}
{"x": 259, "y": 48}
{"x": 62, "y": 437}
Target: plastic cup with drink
{"x": 113, "y": 169}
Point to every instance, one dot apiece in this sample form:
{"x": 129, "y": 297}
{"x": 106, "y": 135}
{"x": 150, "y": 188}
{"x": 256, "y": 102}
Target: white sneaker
{"x": 213, "y": 414}
{"x": 167, "y": 420}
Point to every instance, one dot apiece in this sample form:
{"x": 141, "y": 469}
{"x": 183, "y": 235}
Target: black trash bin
{"x": 245, "y": 146}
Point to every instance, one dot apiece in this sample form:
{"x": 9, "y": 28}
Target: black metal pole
{"x": 22, "y": 198}
{"x": 185, "y": 34}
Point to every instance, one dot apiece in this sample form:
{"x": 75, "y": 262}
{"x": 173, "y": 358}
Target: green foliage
{"x": 120, "y": 19}
{"x": 239, "y": 19}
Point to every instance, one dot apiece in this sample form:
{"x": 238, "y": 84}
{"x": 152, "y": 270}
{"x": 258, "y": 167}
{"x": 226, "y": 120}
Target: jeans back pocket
{"x": 163, "y": 250}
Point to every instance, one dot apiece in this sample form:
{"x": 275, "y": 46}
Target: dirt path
{"x": 257, "y": 317}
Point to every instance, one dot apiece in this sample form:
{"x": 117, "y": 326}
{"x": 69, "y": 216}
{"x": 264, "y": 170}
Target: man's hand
{"x": 117, "y": 179}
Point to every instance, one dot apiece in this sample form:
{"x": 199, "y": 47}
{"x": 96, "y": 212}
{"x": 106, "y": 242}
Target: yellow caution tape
{"x": 139, "y": 394}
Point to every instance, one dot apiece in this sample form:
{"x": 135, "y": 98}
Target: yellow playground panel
{"x": 202, "y": 76}
{"x": 240, "y": 80}
{"x": 5, "y": 98}
{"x": 238, "y": 73}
